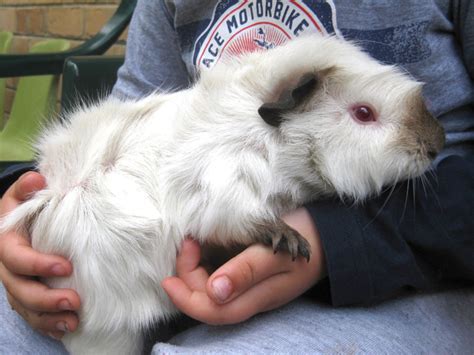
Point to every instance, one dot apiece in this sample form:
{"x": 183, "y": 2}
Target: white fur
{"x": 127, "y": 181}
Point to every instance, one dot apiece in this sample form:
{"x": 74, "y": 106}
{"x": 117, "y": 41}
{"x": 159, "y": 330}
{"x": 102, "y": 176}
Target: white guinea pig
{"x": 254, "y": 137}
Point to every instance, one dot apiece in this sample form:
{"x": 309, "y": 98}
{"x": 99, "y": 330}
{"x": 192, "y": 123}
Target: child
{"x": 405, "y": 239}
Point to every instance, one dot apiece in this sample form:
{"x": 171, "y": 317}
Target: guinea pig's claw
{"x": 284, "y": 238}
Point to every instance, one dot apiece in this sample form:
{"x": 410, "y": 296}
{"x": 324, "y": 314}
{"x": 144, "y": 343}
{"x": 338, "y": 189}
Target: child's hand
{"x": 49, "y": 311}
{"x": 254, "y": 281}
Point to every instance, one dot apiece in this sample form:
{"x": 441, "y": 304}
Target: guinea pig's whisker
{"x": 426, "y": 180}
{"x": 434, "y": 193}
{"x": 407, "y": 193}
{"x": 414, "y": 183}
{"x": 388, "y": 188}
{"x": 391, "y": 188}
{"x": 424, "y": 183}
{"x": 433, "y": 174}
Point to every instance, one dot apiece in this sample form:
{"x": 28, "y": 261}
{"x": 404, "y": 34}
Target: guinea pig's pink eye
{"x": 363, "y": 114}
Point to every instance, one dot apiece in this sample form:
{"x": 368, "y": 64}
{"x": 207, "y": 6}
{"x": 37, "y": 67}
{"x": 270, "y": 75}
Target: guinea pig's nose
{"x": 435, "y": 145}
{"x": 432, "y": 154}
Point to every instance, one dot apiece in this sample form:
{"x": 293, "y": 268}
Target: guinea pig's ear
{"x": 291, "y": 97}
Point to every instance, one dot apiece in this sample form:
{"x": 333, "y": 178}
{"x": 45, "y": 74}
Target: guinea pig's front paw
{"x": 284, "y": 238}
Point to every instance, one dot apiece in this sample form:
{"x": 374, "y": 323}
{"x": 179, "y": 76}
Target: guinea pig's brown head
{"x": 420, "y": 136}
{"x": 353, "y": 128}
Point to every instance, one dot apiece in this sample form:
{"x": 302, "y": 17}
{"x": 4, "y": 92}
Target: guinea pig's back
{"x": 99, "y": 205}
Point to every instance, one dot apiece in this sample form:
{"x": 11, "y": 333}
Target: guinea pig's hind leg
{"x": 282, "y": 237}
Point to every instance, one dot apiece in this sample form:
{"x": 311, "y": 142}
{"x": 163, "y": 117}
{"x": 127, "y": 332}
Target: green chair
{"x": 76, "y": 82}
{"x": 84, "y": 77}
{"x": 5, "y": 44}
{"x": 34, "y": 102}
{"x": 5, "y": 41}
{"x": 52, "y": 63}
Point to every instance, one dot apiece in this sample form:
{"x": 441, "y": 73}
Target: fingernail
{"x": 58, "y": 269}
{"x": 222, "y": 288}
{"x": 62, "y": 326}
{"x": 65, "y": 305}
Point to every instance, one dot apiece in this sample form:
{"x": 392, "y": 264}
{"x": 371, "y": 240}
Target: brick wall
{"x": 34, "y": 20}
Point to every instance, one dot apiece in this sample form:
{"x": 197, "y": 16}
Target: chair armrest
{"x": 88, "y": 78}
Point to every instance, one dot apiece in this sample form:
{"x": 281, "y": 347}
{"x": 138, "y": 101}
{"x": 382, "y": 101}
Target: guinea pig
{"x": 253, "y": 138}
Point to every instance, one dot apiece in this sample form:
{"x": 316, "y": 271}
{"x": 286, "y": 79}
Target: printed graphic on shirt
{"x": 403, "y": 44}
{"x": 248, "y": 25}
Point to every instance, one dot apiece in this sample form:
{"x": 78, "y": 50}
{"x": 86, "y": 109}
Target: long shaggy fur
{"x": 127, "y": 181}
